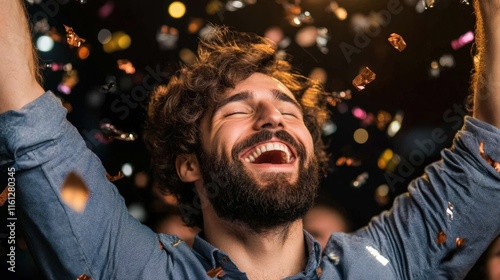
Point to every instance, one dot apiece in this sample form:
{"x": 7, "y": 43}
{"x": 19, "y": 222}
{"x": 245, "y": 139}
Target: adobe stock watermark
{"x": 138, "y": 94}
{"x": 427, "y": 146}
{"x": 11, "y": 219}
{"x": 363, "y": 39}
{"x": 49, "y": 8}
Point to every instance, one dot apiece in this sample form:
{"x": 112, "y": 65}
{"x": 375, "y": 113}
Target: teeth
{"x": 269, "y": 147}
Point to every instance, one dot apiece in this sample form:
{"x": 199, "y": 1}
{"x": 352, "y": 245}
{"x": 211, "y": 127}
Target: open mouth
{"x": 270, "y": 153}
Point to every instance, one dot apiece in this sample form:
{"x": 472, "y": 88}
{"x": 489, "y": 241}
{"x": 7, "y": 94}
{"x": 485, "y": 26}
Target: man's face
{"x": 258, "y": 153}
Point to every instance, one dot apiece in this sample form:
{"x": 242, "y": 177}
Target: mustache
{"x": 266, "y": 135}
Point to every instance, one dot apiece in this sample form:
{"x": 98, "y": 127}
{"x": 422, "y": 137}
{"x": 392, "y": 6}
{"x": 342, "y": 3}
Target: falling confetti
{"x": 84, "y": 277}
{"x": 72, "y": 38}
{"x": 490, "y": 161}
{"x": 441, "y": 237}
{"x": 216, "y": 272}
{"x": 112, "y": 178}
{"x": 360, "y": 180}
{"x": 109, "y": 87}
{"x": 449, "y": 211}
{"x": 365, "y": 77}
{"x": 334, "y": 258}
{"x": 347, "y": 161}
{"x": 69, "y": 81}
{"x": 74, "y": 192}
{"x": 111, "y": 131}
{"x": 463, "y": 40}
{"x": 4, "y": 195}
{"x": 429, "y": 3}
{"x": 460, "y": 242}
{"x": 397, "y": 42}
{"x": 126, "y": 66}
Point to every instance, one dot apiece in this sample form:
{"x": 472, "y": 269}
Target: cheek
{"x": 224, "y": 139}
{"x": 494, "y": 267}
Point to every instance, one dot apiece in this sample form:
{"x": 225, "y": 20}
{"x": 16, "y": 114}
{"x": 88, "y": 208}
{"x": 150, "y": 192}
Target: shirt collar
{"x": 211, "y": 257}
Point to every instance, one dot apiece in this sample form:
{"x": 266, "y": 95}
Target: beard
{"x": 238, "y": 198}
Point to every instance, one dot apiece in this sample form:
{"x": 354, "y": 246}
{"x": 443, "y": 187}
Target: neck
{"x": 273, "y": 254}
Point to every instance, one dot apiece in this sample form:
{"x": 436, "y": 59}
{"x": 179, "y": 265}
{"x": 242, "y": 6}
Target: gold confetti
{"x": 441, "y": 237}
{"x": 365, "y": 77}
{"x": 73, "y": 39}
{"x": 126, "y": 66}
{"x": 490, "y": 161}
{"x": 397, "y": 42}
{"x": 74, "y": 192}
{"x": 216, "y": 272}
{"x": 116, "y": 177}
{"x": 4, "y": 195}
{"x": 460, "y": 242}
{"x": 84, "y": 277}
{"x": 347, "y": 161}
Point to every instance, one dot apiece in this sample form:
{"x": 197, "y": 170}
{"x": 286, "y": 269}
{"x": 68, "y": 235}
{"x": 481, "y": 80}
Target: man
{"x": 232, "y": 142}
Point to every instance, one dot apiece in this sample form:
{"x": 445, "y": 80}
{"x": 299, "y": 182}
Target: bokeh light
{"x": 127, "y": 169}
{"x": 176, "y": 9}
{"x": 44, "y": 43}
{"x": 361, "y": 136}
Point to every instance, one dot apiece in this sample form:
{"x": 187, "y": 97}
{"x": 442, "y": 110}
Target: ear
{"x": 188, "y": 168}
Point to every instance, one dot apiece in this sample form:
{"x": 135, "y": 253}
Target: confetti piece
{"x": 112, "y": 132}
{"x": 112, "y": 178}
{"x": 490, "y": 161}
{"x": 84, "y": 277}
{"x": 73, "y": 39}
{"x": 429, "y": 3}
{"x": 460, "y": 242}
{"x": 449, "y": 211}
{"x": 441, "y": 237}
{"x": 216, "y": 272}
{"x": 108, "y": 88}
{"x": 74, "y": 192}
{"x": 397, "y": 42}
{"x": 365, "y": 77}
{"x": 4, "y": 195}
{"x": 126, "y": 66}
{"x": 360, "y": 180}
{"x": 347, "y": 161}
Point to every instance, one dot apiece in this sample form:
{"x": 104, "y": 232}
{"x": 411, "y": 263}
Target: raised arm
{"x": 486, "y": 80}
{"x": 18, "y": 71}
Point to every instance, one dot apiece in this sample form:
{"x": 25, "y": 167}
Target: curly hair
{"x": 225, "y": 58}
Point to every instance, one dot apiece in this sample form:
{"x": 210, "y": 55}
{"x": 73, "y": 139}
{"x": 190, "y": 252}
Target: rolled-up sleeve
{"x": 103, "y": 241}
{"x": 449, "y": 215}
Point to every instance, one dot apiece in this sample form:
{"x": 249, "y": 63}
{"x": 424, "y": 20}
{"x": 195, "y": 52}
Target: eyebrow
{"x": 248, "y": 95}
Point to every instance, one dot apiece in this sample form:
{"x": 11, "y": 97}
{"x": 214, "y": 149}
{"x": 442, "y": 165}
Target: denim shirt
{"x": 457, "y": 199}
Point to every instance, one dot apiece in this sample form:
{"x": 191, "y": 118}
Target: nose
{"x": 268, "y": 116}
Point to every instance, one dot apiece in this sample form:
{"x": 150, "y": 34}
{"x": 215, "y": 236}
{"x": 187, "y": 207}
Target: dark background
{"x": 403, "y": 82}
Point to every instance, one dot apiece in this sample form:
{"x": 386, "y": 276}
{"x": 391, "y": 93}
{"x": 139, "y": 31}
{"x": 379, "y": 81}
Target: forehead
{"x": 261, "y": 84}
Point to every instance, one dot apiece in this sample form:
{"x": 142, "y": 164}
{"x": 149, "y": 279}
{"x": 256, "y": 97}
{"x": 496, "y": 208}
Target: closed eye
{"x": 234, "y": 113}
{"x": 290, "y": 114}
